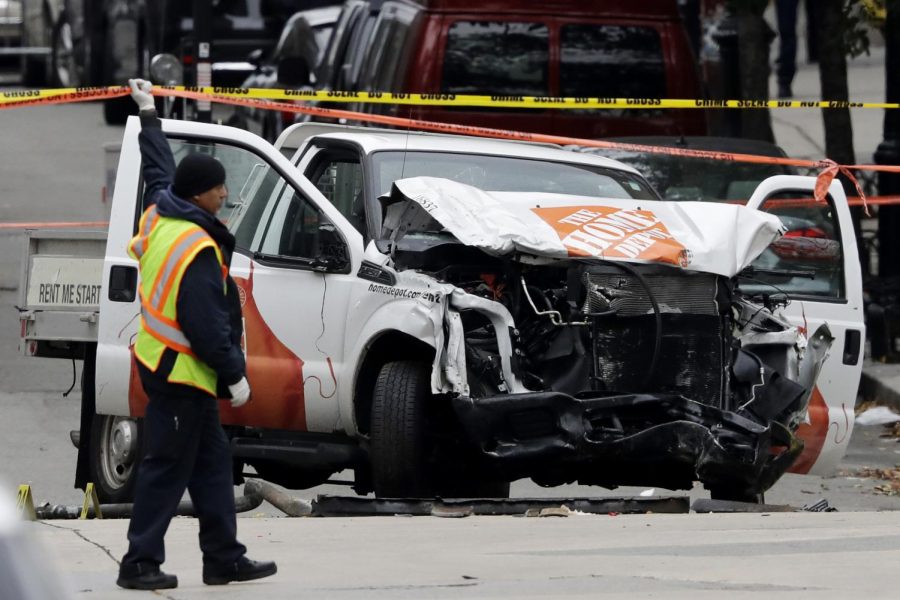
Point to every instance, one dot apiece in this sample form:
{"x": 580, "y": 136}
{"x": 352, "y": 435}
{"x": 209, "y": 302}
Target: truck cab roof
{"x": 370, "y": 139}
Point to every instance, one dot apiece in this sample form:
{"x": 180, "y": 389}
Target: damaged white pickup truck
{"x": 445, "y": 315}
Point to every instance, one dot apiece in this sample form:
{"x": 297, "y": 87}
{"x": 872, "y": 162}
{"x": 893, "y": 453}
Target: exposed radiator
{"x": 694, "y": 351}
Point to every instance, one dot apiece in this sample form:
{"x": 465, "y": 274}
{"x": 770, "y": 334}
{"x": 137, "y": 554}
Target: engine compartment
{"x": 625, "y": 373}
{"x": 614, "y": 327}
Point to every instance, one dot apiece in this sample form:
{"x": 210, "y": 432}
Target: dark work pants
{"x": 185, "y": 448}
{"x": 786, "y": 15}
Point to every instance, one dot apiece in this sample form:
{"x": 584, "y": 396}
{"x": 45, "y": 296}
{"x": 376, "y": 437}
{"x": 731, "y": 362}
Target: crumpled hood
{"x": 698, "y": 236}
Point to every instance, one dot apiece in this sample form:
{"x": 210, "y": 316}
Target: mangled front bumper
{"x": 627, "y": 439}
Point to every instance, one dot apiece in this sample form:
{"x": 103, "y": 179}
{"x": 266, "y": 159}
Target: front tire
{"x": 114, "y": 456}
{"x": 408, "y": 459}
{"x": 399, "y": 446}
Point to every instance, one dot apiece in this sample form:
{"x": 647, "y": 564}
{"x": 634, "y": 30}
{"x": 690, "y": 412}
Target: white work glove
{"x": 140, "y": 93}
{"x": 240, "y": 392}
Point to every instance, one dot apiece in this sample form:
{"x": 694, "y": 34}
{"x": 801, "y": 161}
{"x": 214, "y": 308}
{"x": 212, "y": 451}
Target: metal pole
{"x": 203, "y": 38}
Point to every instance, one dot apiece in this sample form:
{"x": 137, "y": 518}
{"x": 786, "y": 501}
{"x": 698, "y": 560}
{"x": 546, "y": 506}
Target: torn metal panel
{"x": 352, "y": 506}
{"x": 454, "y": 360}
{"x": 627, "y": 439}
{"x": 503, "y": 323}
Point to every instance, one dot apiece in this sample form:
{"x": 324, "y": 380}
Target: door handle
{"x": 852, "y": 346}
{"x": 123, "y": 283}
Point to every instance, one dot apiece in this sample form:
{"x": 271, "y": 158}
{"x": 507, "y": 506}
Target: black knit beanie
{"x": 197, "y": 173}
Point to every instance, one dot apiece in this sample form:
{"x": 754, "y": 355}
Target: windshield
{"x": 508, "y": 174}
{"x": 686, "y": 178}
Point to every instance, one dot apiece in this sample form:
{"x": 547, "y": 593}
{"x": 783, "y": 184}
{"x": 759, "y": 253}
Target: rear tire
{"x": 114, "y": 457}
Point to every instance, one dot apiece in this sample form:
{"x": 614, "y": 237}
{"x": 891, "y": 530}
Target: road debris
{"x": 891, "y": 430}
{"x": 280, "y": 499}
{"x": 877, "y": 415}
{"x": 46, "y": 511}
{"x": 706, "y": 505}
{"x": 890, "y": 476}
{"x": 550, "y": 511}
{"x": 351, "y": 506}
{"x": 821, "y": 505}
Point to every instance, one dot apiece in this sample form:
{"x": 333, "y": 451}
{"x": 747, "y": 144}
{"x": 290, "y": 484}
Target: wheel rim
{"x": 118, "y": 444}
{"x": 65, "y": 57}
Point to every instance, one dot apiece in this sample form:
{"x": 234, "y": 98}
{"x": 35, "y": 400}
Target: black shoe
{"x": 243, "y": 570}
{"x": 147, "y": 579}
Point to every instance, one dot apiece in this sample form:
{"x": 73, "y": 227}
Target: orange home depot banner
{"x": 614, "y": 233}
{"x": 698, "y": 236}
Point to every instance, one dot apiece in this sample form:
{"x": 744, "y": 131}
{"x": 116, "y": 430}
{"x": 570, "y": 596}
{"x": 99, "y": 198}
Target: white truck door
{"x": 293, "y": 296}
{"x": 816, "y": 265}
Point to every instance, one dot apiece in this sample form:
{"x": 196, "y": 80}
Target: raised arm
{"x": 156, "y": 155}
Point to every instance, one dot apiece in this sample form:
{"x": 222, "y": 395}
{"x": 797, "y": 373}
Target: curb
{"x": 874, "y": 388}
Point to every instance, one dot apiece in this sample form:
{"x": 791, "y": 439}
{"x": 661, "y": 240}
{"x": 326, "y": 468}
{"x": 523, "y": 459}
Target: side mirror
{"x": 293, "y": 72}
{"x": 332, "y": 254}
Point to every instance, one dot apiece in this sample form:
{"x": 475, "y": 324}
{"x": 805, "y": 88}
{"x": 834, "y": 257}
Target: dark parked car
{"x": 499, "y": 47}
{"x": 687, "y": 178}
{"x": 302, "y": 43}
{"x": 811, "y": 242}
{"x": 109, "y": 41}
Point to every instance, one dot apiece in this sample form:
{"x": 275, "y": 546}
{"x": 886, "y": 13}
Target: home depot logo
{"x": 611, "y": 232}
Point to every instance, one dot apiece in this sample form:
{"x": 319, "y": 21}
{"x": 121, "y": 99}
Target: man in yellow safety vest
{"x": 187, "y": 350}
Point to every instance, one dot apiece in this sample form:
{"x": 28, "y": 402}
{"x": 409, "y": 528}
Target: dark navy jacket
{"x": 210, "y": 320}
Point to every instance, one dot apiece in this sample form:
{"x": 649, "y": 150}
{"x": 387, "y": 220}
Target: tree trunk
{"x": 754, "y": 38}
{"x": 888, "y": 152}
{"x": 833, "y": 80}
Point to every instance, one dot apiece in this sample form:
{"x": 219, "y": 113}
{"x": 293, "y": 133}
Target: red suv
{"x": 553, "y": 48}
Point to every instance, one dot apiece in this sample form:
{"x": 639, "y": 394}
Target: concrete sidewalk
{"x": 778, "y": 555}
{"x": 801, "y": 131}
{"x": 880, "y": 383}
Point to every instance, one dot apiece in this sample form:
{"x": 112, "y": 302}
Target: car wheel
{"x": 64, "y": 67}
{"x": 114, "y": 457}
{"x": 399, "y": 446}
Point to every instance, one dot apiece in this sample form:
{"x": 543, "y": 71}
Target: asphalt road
{"x": 52, "y": 169}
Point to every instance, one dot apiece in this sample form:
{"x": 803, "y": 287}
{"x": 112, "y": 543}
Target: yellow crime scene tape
{"x": 263, "y": 99}
{"x": 46, "y": 96}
